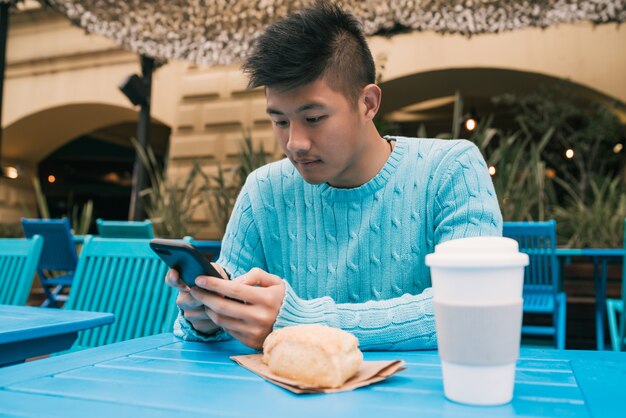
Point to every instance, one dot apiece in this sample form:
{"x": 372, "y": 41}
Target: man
{"x": 336, "y": 233}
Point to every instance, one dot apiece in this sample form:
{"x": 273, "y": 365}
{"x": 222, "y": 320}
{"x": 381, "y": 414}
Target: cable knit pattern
{"x": 354, "y": 258}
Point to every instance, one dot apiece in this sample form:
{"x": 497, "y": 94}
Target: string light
{"x": 11, "y": 172}
{"x": 569, "y": 153}
{"x": 618, "y": 148}
{"x": 470, "y": 124}
{"x": 492, "y": 170}
{"x": 51, "y": 179}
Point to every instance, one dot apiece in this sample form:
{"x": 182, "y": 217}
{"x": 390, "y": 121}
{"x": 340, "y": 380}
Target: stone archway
{"x": 428, "y": 97}
{"x": 33, "y": 138}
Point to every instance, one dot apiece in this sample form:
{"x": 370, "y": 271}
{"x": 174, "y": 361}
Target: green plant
{"x": 457, "y": 121}
{"x": 524, "y": 191}
{"x": 169, "y": 204}
{"x": 597, "y": 222}
{"x": 42, "y": 204}
{"x": 534, "y": 182}
{"x": 11, "y": 230}
{"x": 222, "y": 189}
{"x": 520, "y": 172}
{"x": 79, "y": 223}
{"x": 590, "y": 129}
{"x": 220, "y": 196}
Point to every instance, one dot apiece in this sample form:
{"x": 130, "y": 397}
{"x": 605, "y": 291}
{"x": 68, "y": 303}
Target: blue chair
{"x": 58, "y": 257}
{"x": 615, "y": 307}
{"x": 125, "y": 277}
{"x": 542, "y": 284}
{"x": 18, "y": 263}
{"x": 125, "y": 229}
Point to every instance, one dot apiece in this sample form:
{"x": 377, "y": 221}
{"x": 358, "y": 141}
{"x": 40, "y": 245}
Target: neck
{"x": 368, "y": 161}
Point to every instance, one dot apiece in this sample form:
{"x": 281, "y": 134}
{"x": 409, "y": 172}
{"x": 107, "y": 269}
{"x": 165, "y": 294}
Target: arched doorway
{"x": 428, "y": 97}
{"x": 95, "y": 166}
{"x": 80, "y": 152}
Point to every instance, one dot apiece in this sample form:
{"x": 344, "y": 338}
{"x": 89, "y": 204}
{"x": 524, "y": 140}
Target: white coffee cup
{"x": 477, "y": 293}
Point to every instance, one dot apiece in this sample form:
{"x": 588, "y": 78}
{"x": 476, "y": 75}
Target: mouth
{"x": 308, "y": 163}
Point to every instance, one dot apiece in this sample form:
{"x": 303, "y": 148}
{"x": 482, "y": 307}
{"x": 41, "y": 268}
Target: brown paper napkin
{"x": 369, "y": 372}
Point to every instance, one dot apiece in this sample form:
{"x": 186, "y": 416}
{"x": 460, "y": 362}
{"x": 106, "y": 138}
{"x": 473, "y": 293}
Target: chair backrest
{"x": 125, "y": 229}
{"x": 18, "y": 263}
{"x": 59, "y": 250}
{"x": 538, "y": 240}
{"x": 125, "y": 277}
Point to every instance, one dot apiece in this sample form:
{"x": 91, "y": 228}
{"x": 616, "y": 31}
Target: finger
{"x": 172, "y": 279}
{"x": 254, "y": 278}
{"x": 222, "y": 305}
{"x": 228, "y": 323}
{"x": 186, "y": 301}
{"x": 196, "y": 315}
{"x": 231, "y": 289}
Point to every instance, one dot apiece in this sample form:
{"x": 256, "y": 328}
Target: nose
{"x": 298, "y": 142}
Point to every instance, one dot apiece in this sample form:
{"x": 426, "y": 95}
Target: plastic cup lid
{"x": 477, "y": 252}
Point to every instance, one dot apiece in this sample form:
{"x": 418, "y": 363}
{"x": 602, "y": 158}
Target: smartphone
{"x": 184, "y": 258}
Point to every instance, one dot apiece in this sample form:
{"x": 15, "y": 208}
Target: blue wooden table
{"x": 160, "y": 376}
{"x": 600, "y": 258}
{"x": 28, "y": 331}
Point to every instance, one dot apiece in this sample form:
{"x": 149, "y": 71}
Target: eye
{"x": 281, "y": 123}
{"x": 315, "y": 119}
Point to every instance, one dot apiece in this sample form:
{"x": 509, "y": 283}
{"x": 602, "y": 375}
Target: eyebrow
{"x": 308, "y": 106}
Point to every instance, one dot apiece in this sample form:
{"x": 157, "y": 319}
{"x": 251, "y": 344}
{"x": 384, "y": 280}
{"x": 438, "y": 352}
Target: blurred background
{"x": 540, "y": 86}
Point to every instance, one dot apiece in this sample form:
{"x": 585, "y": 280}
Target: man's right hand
{"x": 193, "y": 311}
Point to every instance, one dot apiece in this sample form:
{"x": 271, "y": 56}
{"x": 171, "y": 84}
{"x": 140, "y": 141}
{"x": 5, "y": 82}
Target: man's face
{"x": 320, "y": 131}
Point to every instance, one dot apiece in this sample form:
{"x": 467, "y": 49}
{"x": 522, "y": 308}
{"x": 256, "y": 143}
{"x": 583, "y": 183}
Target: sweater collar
{"x": 330, "y": 193}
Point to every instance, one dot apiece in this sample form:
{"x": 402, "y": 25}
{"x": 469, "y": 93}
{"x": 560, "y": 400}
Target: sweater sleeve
{"x": 465, "y": 201}
{"x": 403, "y": 323}
{"x": 241, "y": 250}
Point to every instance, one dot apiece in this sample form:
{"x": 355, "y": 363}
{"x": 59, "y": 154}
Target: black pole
{"x": 4, "y": 28}
{"x": 137, "y": 211}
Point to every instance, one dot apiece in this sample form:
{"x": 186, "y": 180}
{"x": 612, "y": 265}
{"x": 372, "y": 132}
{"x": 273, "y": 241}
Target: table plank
{"x": 27, "y": 331}
{"x": 606, "y": 383}
{"x": 16, "y": 404}
{"x": 33, "y": 322}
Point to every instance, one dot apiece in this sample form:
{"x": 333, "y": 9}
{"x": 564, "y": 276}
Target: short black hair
{"x": 315, "y": 42}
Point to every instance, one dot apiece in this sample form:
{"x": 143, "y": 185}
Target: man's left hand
{"x": 250, "y": 317}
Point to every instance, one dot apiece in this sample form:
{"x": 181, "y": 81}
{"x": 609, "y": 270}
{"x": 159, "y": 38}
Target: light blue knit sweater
{"x": 354, "y": 258}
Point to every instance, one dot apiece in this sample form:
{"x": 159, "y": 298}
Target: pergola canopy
{"x": 221, "y": 31}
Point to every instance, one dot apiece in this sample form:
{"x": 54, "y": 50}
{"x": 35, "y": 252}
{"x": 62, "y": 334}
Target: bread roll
{"x": 315, "y": 355}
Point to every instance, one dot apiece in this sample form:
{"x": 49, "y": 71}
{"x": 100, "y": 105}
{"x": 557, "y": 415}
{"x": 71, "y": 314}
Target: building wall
{"x": 589, "y": 56}
{"x": 61, "y": 82}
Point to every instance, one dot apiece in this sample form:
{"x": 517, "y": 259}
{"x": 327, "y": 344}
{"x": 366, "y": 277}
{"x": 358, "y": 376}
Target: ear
{"x": 369, "y": 102}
